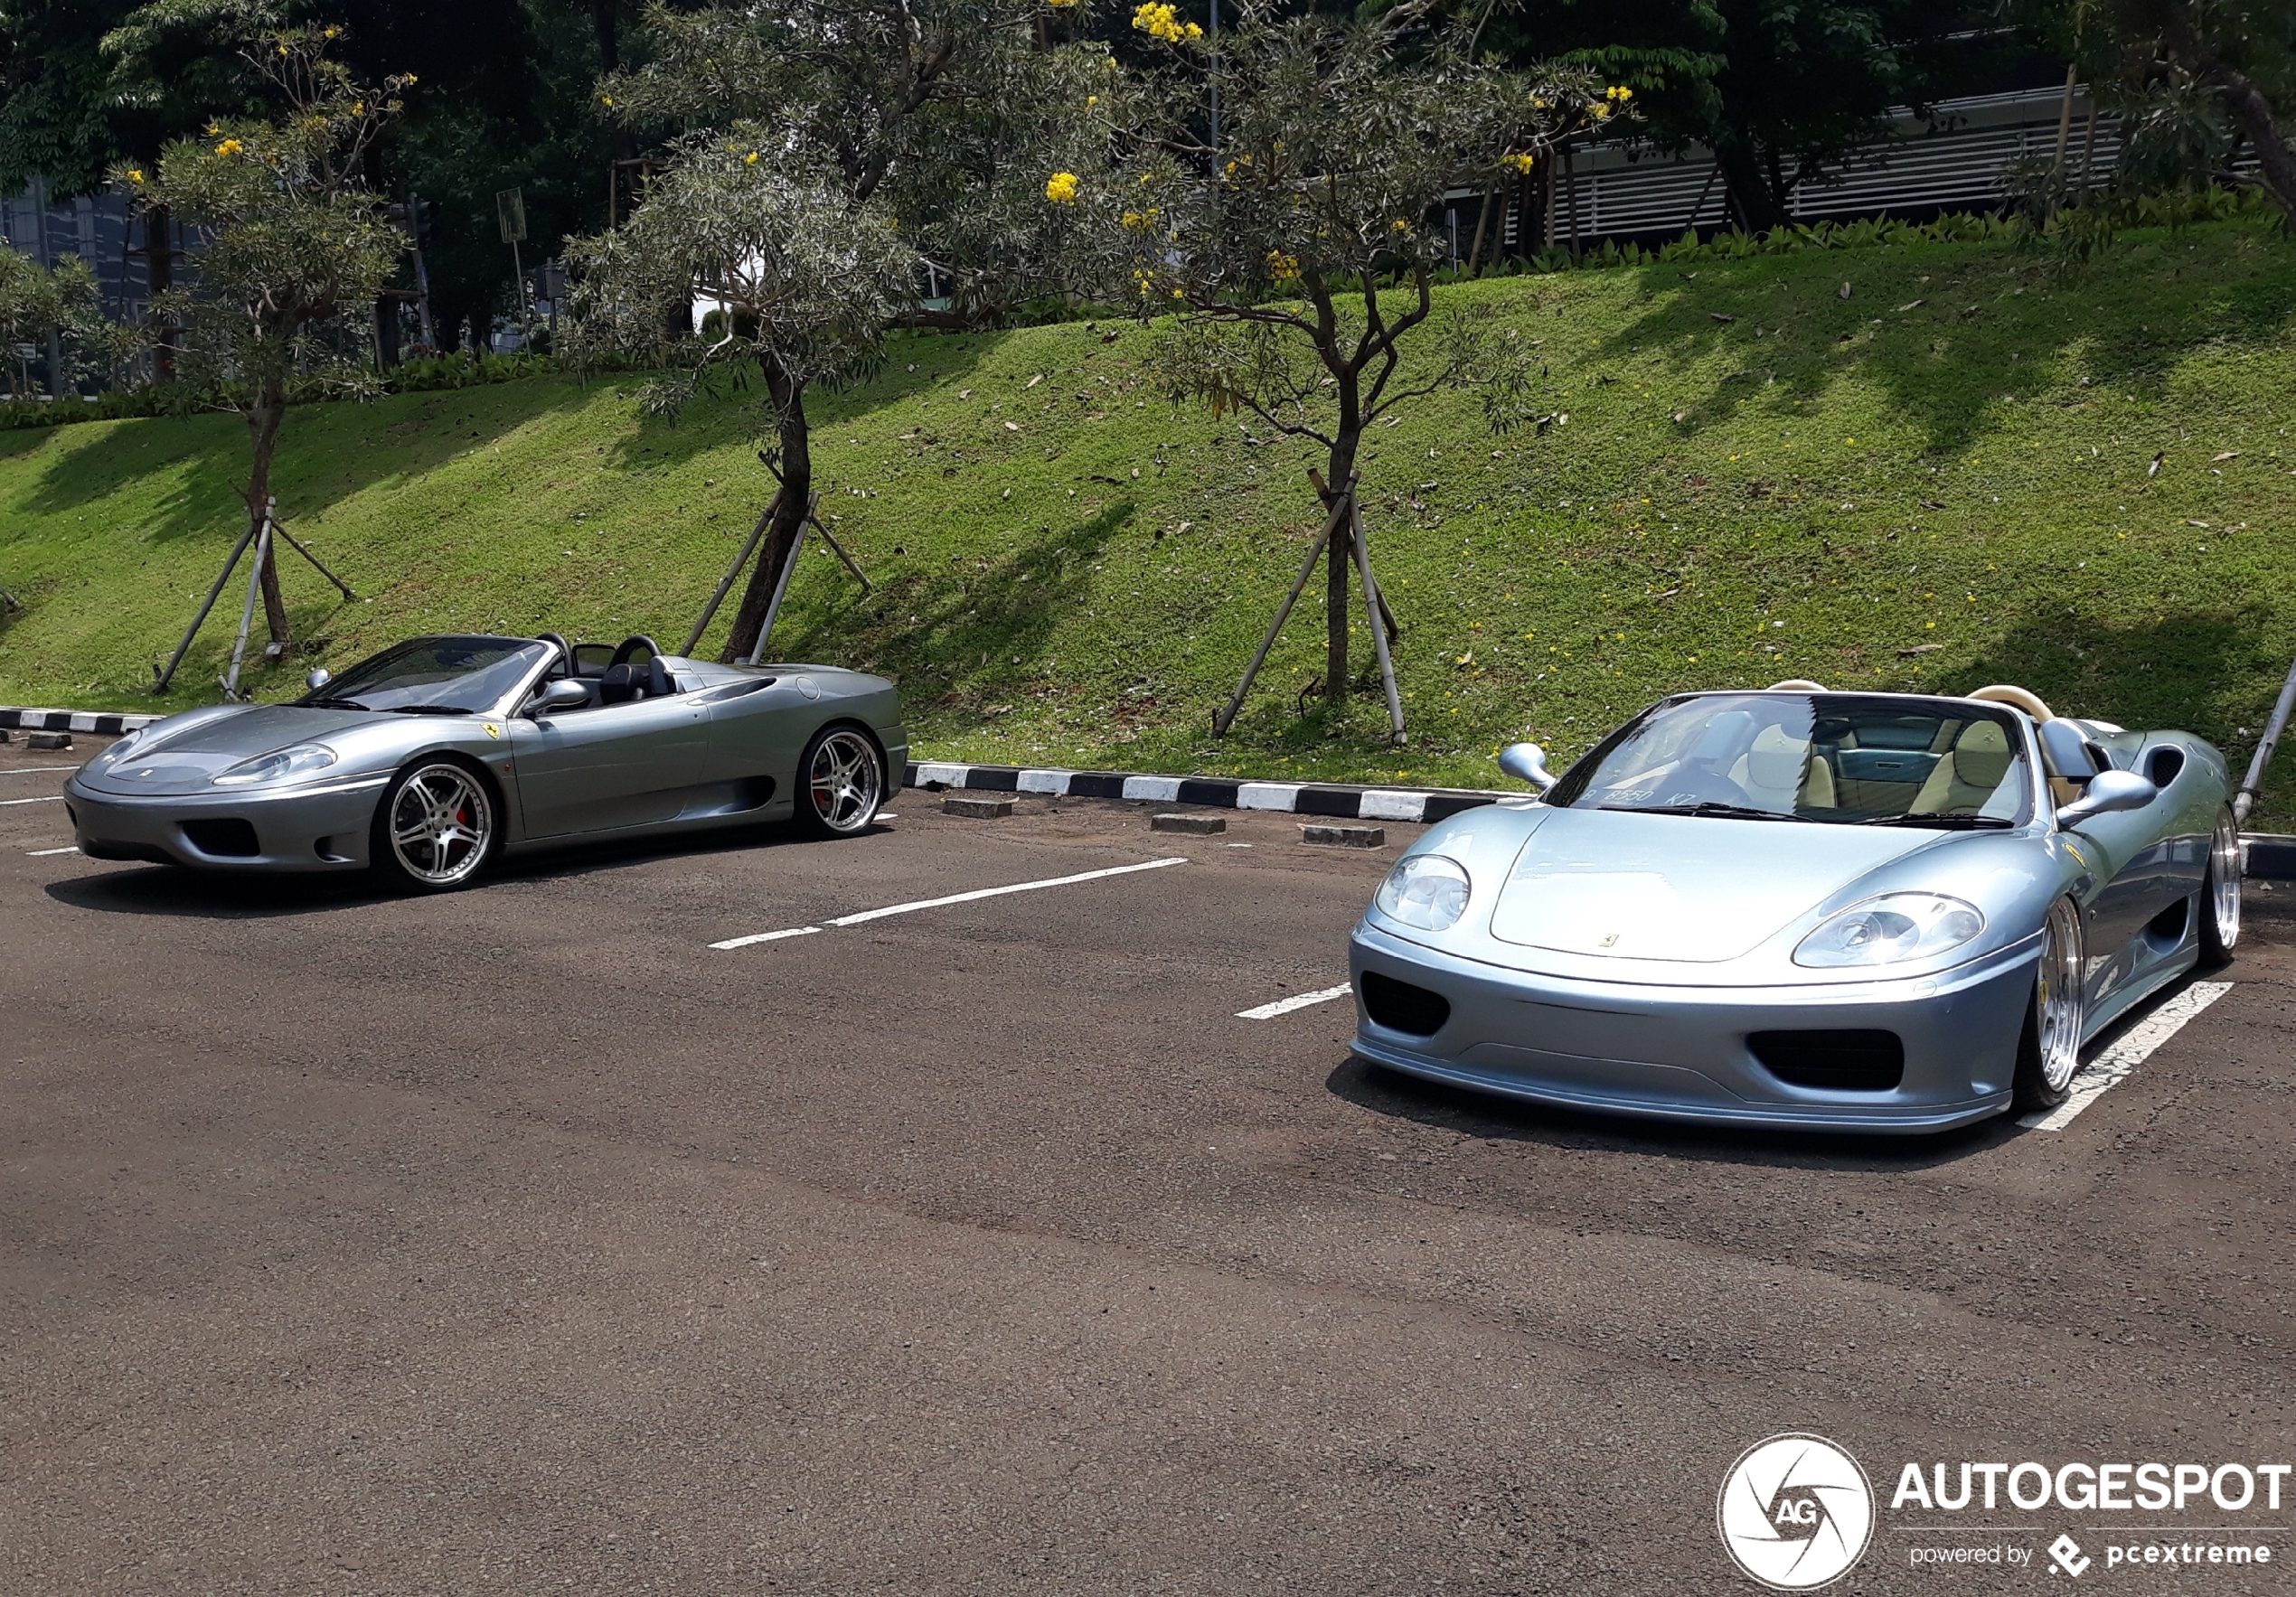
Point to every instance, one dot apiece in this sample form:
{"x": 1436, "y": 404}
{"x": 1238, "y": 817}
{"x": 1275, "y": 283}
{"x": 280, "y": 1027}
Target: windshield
{"x": 437, "y": 674}
{"x": 1828, "y": 758}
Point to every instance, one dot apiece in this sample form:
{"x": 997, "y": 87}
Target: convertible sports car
{"x": 1798, "y": 908}
{"x": 432, "y": 759}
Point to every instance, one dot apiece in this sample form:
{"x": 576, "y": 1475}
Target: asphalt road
{"x": 517, "y": 1241}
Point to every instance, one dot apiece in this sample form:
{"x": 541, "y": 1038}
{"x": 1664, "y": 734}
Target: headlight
{"x": 278, "y": 765}
{"x": 1894, "y": 928}
{"x": 1425, "y": 890}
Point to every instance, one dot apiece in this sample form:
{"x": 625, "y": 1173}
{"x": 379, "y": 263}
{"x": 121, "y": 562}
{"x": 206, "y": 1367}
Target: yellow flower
{"x": 751, "y": 159}
{"x": 230, "y": 146}
{"x": 331, "y": 33}
{"x": 358, "y": 107}
{"x": 1401, "y": 226}
{"x": 607, "y": 98}
{"x": 1601, "y": 111}
{"x": 1061, "y": 188}
{"x": 411, "y": 77}
{"x": 1618, "y": 92}
{"x": 1090, "y": 100}
{"x": 1180, "y": 294}
{"x": 1282, "y": 268}
{"x": 1159, "y": 20}
{"x": 135, "y": 174}
{"x": 282, "y": 49}
{"x": 1522, "y": 164}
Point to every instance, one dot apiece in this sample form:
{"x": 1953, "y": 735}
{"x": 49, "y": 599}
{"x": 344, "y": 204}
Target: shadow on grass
{"x": 973, "y": 633}
{"x": 2146, "y": 676}
{"x": 328, "y": 452}
{"x": 1952, "y": 334}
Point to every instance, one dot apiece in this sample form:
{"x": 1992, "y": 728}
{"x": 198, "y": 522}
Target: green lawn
{"x": 1938, "y": 481}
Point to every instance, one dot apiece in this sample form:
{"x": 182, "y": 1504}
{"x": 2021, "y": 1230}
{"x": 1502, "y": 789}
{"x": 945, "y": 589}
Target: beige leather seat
{"x": 1771, "y": 771}
{"x": 1961, "y": 783}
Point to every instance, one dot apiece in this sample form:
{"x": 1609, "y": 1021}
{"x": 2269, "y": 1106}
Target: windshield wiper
{"x": 331, "y": 704}
{"x": 430, "y": 709}
{"x": 1708, "y": 807}
{"x": 1942, "y": 822}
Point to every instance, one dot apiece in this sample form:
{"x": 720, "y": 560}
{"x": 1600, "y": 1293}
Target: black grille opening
{"x": 2168, "y": 927}
{"x": 1835, "y": 1061}
{"x": 1400, "y": 1007}
{"x": 2162, "y": 765}
{"x": 230, "y": 839}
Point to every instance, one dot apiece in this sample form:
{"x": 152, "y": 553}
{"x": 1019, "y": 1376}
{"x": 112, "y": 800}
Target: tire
{"x": 438, "y": 828}
{"x": 840, "y": 782}
{"x": 2048, "y": 1052}
{"x": 2219, "y": 907}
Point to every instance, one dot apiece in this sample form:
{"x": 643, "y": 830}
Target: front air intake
{"x": 229, "y": 839}
{"x": 1400, "y": 1007}
{"x": 1832, "y": 1061}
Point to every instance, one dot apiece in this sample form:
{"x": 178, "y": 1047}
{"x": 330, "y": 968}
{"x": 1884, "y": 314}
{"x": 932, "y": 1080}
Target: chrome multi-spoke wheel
{"x": 2050, "y": 1052}
{"x": 437, "y": 825}
{"x": 2220, "y": 894}
{"x": 843, "y": 781}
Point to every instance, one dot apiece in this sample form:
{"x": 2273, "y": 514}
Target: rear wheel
{"x": 841, "y": 780}
{"x": 435, "y": 828}
{"x": 2048, "y": 1053}
{"x": 2220, "y": 894}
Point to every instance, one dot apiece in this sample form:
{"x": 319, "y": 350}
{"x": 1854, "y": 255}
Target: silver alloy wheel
{"x": 2060, "y": 995}
{"x": 846, "y": 780}
{"x": 2223, "y": 862}
{"x": 441, "y": 825}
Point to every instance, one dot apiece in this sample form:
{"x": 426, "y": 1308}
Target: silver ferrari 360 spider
{"x": 432, "y": 759}
{"x": 1801, "y": 908}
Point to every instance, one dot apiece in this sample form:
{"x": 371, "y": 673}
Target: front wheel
{"x": 841, "y": 780}
{"x": 2220, "y": 894}
{"x": 435, "y": 828}
{"x": 2048, "y": 1053}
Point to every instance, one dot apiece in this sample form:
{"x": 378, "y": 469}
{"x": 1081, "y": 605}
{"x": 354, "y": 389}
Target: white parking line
{"x": 53, "y": 798}
{"x": 1284, "y": 1006}
{"x": 43, "y": 853}
{"x": 978, "y": 893}
{"x": 2119, "y": 1061}
{"x": 35, "y": 770}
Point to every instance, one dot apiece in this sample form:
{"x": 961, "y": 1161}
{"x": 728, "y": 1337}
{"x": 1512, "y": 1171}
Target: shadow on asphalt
{"x": 179, "y": 891}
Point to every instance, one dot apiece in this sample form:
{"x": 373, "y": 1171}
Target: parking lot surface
{"x": 520, "y": 1240}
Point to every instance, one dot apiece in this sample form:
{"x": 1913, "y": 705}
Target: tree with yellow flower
{"x": 291, "y": 250}
{"x": 1296, "y": 255}
{"x": 832, "y": 166}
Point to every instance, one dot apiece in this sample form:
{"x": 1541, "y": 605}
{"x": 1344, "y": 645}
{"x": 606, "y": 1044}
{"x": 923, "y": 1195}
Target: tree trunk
{"x": 2254, "y": 113}
{"x": 796, "y": 495}
{"x": 1753, "y": 205}
{"x": 159, "y": 276}
{"x": 263, "y": 422}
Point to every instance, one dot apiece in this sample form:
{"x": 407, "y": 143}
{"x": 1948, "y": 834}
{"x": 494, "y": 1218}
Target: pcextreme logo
{"x": 1795, "y": 1512}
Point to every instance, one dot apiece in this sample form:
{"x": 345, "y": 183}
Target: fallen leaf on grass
{"x": 1919, "y": 649}
{"x": 2228, "y": 455}
{"x": 1721, "y": 317}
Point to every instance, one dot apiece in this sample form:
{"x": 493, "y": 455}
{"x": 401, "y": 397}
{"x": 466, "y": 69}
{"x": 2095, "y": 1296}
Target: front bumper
{"x": 1681, "y": 1053}
{"x": 322, "y": 826}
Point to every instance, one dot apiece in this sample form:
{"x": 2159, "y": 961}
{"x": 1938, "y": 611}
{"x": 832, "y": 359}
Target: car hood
{"x": 1695, "y": 889}
{"x": 186, "y": 759}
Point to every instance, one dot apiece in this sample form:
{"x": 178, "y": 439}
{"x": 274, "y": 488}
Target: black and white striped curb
{"x": 1226, "y": 792}
{"x": 72, "y": 720}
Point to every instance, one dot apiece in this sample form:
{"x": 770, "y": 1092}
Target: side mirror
{"x": 565, "y": 693}
{"x": 2107, "y": 791}
{"x": 318, "y": 678}
{"x": 1527, "y": 762}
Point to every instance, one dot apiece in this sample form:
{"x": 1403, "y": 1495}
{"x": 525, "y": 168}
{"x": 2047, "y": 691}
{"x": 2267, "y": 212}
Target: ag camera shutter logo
{"x": 1795, "y": 1512}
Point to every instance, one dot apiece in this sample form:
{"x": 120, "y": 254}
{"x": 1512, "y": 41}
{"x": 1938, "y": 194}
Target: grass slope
{"x": 1942, "y": 479}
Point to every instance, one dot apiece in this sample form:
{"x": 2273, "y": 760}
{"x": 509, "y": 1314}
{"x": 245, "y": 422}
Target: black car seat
{"x": 644, "y": 679}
